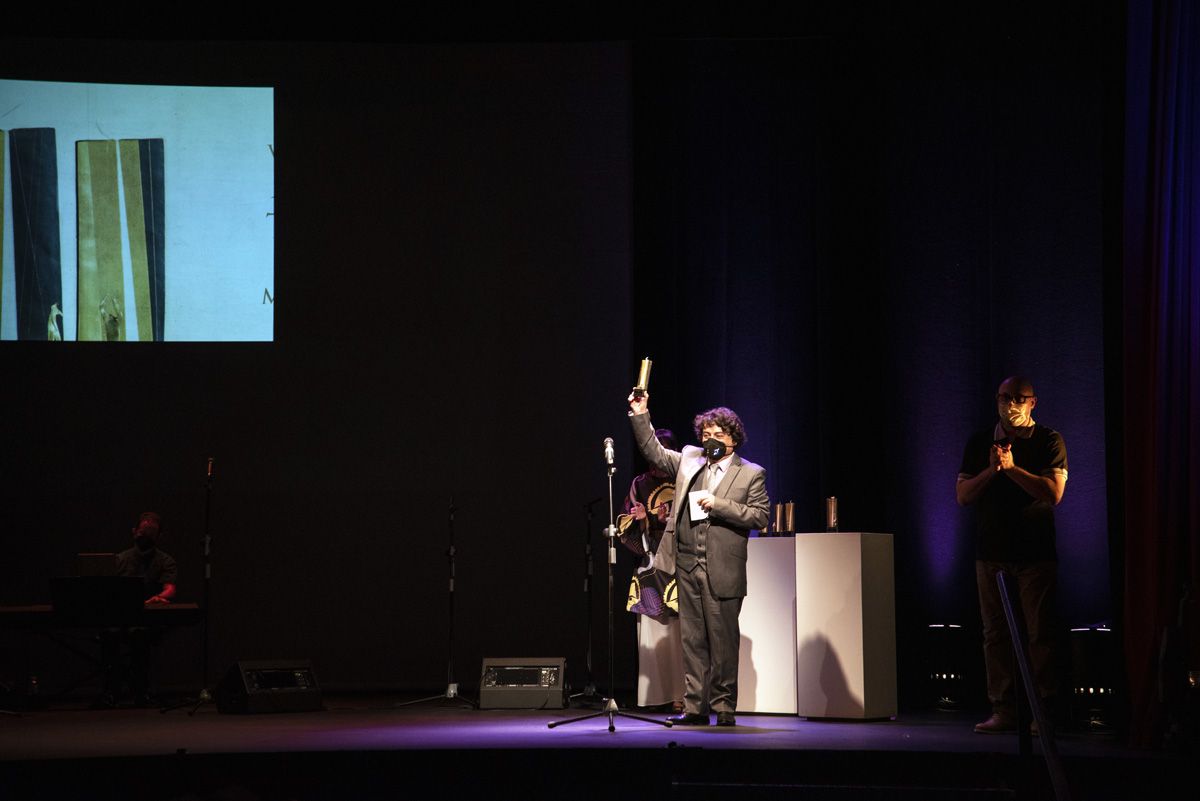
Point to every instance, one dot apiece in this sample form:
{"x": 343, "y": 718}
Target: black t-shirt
{"x": 1012, "y": 525}
{"x": 155, "y": 567}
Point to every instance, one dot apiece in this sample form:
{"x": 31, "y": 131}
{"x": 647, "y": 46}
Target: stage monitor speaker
{"x": 278, "y": 685}
{"x": 523, "y": 683}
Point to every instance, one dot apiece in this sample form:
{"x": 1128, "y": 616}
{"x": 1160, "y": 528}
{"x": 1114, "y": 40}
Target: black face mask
{"x": 144, "y": 543}
{"x": 714, "y": 449}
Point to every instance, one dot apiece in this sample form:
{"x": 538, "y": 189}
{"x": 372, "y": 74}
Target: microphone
{"x": 608, "y": 450}
{"x": 209, "y": 470}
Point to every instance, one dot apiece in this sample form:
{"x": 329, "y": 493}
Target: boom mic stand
{"x": 205, "y": 696}
{"x": 611, "y": 709}
{"x": 451, "y": 693}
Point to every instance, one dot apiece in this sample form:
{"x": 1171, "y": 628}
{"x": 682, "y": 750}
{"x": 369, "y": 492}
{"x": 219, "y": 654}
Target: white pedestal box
{"x": 845, "y": 625}
{"x": 767, "y": 656}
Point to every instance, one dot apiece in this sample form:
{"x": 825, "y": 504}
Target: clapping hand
{"x": 1005, "y": 458}
{"x": 1000, "y": 457}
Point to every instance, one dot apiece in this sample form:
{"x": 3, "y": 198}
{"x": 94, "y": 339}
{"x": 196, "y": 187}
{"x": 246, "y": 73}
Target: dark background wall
{"x": 452, "y": 320}
{"x": 849, "y": 235}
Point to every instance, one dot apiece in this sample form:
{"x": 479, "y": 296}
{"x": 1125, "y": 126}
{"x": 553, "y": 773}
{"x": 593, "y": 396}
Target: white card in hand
{"x": 697, "y": 514}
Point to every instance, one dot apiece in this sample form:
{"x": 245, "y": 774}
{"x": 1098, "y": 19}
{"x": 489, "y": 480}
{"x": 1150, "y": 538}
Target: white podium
{"x": 845, "y": 625}
{"x": 767, "y": 656}
{"x": 819, "y": 627}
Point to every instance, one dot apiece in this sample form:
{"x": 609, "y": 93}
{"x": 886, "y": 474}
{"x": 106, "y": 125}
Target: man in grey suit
{"x": 719, "y": 497}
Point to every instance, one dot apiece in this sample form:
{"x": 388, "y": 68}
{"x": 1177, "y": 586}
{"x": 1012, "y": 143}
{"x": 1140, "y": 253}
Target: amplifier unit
{"x": 523, "y": 683}
{"x": 277, "y": 685}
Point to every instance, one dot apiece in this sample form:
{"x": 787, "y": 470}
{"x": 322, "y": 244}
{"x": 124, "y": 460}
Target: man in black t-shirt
{"x": 146, "y": 561}
{"x": 156, "y": 568}
{"x": 1014, "y": 474}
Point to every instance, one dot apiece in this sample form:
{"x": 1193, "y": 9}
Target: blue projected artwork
{"x": 136, "y": 212}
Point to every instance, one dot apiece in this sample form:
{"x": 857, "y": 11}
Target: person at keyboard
{"x": 145, "y": 560}
{"x": 157, "y": 569}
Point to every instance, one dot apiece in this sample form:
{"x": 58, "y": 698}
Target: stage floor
{"x": 365, "y": 747}
{"x": 354, "y": 724}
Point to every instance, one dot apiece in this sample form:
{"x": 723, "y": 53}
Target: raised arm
{"x": 643, "y": 434}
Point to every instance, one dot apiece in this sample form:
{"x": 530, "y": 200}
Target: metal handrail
{"x": 1020, "y": 641}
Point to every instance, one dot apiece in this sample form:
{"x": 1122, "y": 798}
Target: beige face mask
{"x": 1017, "y": 416}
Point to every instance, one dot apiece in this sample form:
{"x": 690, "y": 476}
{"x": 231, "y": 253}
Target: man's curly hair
{"x": 727, "y": 419}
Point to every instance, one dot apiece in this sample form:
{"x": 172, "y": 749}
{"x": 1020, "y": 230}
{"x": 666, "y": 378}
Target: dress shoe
{"x": 689, "y": 719}
{"x": 996, "y": 724}
{"x": 726, "y": 719}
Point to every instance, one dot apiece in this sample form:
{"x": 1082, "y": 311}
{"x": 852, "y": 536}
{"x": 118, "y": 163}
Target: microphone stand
{"x": 205, "y": 696}
{"x": 589, "y": 693}
{"x": 611, "y": 709}
{"x": 451, "y": 693}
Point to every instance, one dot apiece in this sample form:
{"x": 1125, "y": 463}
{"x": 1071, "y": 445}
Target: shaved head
{"x": 1017, "y": 385}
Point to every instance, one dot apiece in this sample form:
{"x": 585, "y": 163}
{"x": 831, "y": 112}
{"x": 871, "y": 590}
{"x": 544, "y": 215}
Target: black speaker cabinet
{"x": 277, "y": 685}
{"x": 524, "y": 683}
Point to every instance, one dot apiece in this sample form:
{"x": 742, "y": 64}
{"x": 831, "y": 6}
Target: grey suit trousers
{"x": 711, "y": 637}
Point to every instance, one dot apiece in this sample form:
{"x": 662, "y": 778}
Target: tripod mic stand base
{"x": 451, "y": 694}
{"x": 588, "y": 697}
{"x": 612, "y": 711}
{"x": 204, "y": 697}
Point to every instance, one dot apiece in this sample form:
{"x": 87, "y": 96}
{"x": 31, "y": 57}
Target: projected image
{"x": 136, "y": 213}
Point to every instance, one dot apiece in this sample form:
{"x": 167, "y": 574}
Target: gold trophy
{"x": 643, "y": 383}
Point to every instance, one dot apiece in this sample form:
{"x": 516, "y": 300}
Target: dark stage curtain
{"x": 729, "y": 201}
{"x": 851, "y": 248}
{"x": 1161, "y": 361}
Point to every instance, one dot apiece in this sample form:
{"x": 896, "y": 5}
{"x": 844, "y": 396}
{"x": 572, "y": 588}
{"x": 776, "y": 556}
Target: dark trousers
{"x": 125, "y": 654}
{"x": 709, "y": 629}
{"x": 1036, "y": 585}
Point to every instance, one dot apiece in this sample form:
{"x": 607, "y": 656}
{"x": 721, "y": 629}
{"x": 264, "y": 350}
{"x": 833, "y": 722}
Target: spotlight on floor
{"x": 1094, "y": 664}
{"x": 945, "y": 660}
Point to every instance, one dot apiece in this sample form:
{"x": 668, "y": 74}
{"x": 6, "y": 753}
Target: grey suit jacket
{"x": 740, "y": 503}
